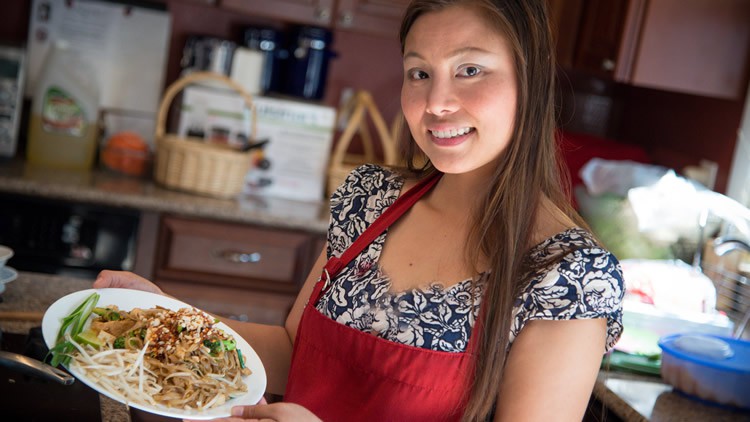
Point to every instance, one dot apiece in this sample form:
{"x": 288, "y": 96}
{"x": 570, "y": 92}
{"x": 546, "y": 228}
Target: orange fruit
{"x": 126, "y": 152}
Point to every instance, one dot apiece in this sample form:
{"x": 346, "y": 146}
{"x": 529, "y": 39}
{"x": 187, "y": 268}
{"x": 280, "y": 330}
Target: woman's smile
{"x": 451, "y": 137}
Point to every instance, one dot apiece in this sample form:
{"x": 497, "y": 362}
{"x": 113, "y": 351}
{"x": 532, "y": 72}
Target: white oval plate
{"x": 128, "y": 299}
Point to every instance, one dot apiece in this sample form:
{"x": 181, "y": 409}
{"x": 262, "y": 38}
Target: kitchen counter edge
{"x": 104, "y": 188}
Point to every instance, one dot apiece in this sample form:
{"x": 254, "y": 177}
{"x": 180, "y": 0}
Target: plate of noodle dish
{"x": 153, "y": 352}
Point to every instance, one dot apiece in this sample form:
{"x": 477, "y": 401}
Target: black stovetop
{"x": 30, "y": 398}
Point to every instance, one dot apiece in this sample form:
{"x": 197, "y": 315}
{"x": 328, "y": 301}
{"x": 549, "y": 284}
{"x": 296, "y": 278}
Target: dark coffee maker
{"x": 307, "y": 66}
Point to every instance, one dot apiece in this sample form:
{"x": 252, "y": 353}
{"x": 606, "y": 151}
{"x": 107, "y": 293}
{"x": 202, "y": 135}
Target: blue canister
{"x": 309, "y": 54}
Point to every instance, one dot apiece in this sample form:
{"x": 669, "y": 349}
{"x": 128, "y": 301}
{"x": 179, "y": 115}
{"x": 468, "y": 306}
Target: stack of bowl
{"x": 7, "y": 274}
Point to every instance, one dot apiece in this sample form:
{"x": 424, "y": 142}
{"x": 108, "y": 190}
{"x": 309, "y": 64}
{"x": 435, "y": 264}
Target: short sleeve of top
{"x": 365, "y": 193}
{"x": 585, "y": 283}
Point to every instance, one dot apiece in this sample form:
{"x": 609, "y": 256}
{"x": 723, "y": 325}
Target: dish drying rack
{"x": 732, "y": 295}
{"x": 731, "y": 282}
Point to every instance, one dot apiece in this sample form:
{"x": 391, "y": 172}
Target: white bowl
{"x": 5, "y": 254}
{"x": 7, "y": 274}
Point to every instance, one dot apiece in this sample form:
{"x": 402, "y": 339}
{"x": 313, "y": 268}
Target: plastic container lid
{"x": 703, "y": 345}
{"x": 713, "y": 351}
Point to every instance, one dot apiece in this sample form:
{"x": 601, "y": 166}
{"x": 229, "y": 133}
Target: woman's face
{"x": 459, "y": 91}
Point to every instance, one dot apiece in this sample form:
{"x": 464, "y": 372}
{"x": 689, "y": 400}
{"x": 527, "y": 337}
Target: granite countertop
{"x": 632, "y": 398}
{"x": 636, "y": 398}
{"x": 107, "y": 188}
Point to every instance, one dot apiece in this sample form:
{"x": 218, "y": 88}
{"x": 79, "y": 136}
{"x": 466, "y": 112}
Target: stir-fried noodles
{"x": 159, "y": 356}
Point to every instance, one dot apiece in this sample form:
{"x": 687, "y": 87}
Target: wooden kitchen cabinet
{"x": 312, "y": 12}
{"x": 699, "y": 47}
{"x": 565, "y": 19}
{"x": 380, "y": 17}
{"x": 242, "y": 304}
{"x": 599, "y": 36}
{"x": 240, "y": 271}
{"x": 588, "y": 34}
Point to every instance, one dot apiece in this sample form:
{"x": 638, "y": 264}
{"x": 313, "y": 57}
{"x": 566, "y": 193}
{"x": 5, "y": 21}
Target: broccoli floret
{"x": 217, "y": 346}
{"x": 119, "y": 343}
{"x": 229, "y": 344}
{"x": 107, "y": 314}
{"x": 214, "y": 347}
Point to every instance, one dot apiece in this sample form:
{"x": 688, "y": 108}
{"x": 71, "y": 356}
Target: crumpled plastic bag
{"x": 667, "y": 207}
{"x": 618, "y": 177}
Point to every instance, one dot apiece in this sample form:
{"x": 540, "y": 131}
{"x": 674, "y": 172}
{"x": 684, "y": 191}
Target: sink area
{"x": 666, "y": 297}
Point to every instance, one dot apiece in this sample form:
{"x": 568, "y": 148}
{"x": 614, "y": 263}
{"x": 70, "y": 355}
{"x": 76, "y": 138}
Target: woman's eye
{"x": 418, "y": 74}
{"x": 470, "y": 71}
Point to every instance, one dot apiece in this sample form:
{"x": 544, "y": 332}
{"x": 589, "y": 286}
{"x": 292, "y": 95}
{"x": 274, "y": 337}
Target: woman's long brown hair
{"x": 527, "y": 171}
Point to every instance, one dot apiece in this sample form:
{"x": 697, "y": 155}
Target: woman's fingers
{"x": 125, "y": 280}
{"x": 277, "y": 412}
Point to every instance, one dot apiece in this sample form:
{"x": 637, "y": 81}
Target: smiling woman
{"x": 445, "y": 287}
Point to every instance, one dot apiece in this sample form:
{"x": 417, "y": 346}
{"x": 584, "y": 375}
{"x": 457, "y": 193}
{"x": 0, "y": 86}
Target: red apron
{"x": 343, "y": 374}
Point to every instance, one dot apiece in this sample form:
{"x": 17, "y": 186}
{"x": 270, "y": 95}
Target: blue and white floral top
{"x": 585, "y": 283}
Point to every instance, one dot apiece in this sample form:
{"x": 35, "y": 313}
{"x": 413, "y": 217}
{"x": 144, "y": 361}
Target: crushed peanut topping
{"x": 186, "y": 327}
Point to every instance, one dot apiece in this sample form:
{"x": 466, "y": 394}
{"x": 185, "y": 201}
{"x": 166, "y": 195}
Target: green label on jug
{"x": 61, "y": 113}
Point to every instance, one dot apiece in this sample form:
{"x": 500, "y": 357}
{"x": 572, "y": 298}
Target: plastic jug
{"x": 64, "y": 112}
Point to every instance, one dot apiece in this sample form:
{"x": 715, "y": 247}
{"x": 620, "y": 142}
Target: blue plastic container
{"x": 709, "y": 367}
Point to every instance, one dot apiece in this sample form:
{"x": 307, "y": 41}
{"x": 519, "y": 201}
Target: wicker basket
{"x": 191, "y": 164}
{"x": 343, "y": 163}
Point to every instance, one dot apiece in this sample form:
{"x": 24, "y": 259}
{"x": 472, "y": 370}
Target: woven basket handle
{"x": 363, "y": 102}
{"x": 363, "y": 130}
{"x": 191, "y": 78}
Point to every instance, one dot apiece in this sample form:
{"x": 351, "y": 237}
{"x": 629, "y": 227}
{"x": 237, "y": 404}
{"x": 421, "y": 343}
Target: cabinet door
{"x": 382, "y": 17}
{"x": 565, "y": 17}
{"x": 236, "y": 303}
{"x": 313, "y": 12}
{"x": 695, "y": 46}
{"x": 233, "y": 255}
{"x": 599, "y": 36}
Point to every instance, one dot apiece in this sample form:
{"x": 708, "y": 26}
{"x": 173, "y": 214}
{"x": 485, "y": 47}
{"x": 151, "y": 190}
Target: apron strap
{"x": 388, "y": 217}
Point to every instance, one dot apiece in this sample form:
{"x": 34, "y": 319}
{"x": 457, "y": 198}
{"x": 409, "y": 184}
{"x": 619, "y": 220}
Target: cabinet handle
{"x": 238, "y": 257}
{"x": 322, "y": 14}
{"x": 346, "y": 19}
{"x": 608, "y": 64}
